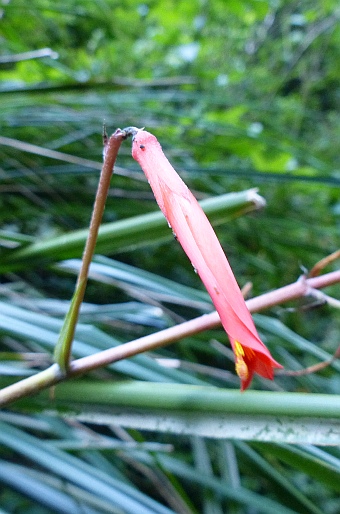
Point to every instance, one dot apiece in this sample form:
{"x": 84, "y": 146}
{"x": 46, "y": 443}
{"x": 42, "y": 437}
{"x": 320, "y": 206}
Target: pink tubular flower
{"x": 199, "y": 241}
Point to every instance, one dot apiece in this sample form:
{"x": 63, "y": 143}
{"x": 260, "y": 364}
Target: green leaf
{"x": 121, "y": 495}
{"x": 205, "y": 411}
{"x": 132, "y": 233}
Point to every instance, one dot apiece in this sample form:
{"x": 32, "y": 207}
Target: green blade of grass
{"x": 313, "y": 461}
{"x": 205, "y": 411}
{"x": 129, "y": 499}
{"x": 288, "y": 491}
{"x": 132, "y": 232}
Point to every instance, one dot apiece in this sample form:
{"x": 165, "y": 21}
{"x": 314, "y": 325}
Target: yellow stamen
{"x": 238, "y": 350}
{"x": 241, "y": 367}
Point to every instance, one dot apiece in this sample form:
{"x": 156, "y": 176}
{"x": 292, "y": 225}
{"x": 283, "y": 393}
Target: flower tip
{"x": 131, "y": 131}
{"x": 250, "y": 360}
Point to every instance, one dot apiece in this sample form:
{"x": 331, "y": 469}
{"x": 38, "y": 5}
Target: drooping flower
{"x": 198, "y": 239}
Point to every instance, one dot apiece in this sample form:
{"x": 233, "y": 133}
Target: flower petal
{"x": 198, "y": 239}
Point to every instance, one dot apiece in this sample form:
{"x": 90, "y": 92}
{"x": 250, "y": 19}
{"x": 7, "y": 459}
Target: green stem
{"x": 63, "y": 348}
{"x": 31, "y": 385}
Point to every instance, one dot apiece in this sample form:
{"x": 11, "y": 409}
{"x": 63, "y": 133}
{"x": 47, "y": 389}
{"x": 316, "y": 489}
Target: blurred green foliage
{"x": 240, "y": 94}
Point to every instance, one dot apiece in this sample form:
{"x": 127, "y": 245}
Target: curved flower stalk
{"x": 193, "y": 230}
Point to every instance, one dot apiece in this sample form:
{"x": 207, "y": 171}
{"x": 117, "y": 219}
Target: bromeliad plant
{"x": 193, "y": 230}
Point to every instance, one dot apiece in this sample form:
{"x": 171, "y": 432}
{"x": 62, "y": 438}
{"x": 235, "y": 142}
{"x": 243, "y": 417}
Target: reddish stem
{"x": 194, "y": 326}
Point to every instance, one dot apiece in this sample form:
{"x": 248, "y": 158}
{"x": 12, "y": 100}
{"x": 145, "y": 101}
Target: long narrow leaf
{"x": 206, "y": 411}
{"x": 129, "y": 499}
{"x": 134, "y": 232}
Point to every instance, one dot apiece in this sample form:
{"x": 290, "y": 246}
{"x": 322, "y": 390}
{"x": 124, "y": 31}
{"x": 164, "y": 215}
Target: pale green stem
{"x": 52, "y": 375}
{"x": 31, "y": 385}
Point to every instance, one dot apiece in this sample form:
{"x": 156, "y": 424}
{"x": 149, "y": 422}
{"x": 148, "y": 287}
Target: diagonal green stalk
{"x": 63, "y": 348}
